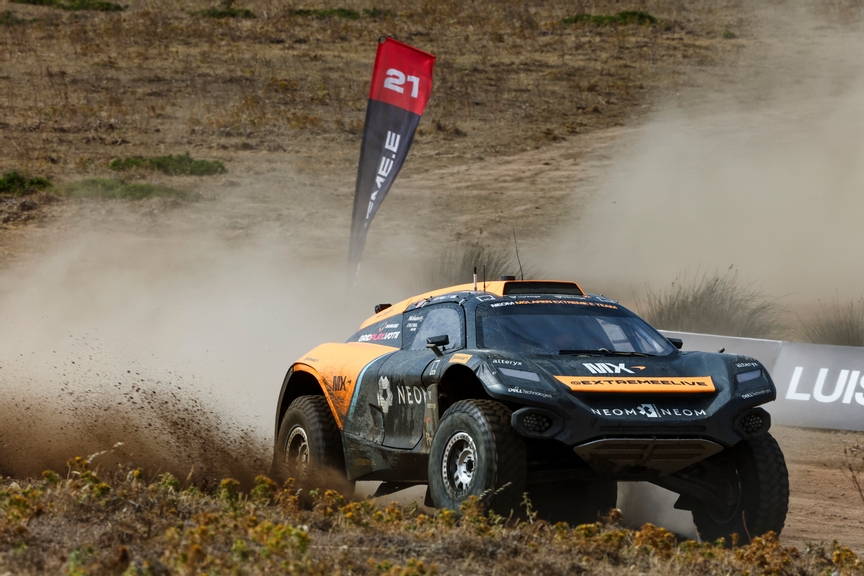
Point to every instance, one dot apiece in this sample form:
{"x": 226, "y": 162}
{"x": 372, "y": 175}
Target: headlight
{"x": 743, "y": 377}
{"x": 521, "y": 374}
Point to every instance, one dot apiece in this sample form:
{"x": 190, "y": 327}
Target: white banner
{"x": 817, "y": 386}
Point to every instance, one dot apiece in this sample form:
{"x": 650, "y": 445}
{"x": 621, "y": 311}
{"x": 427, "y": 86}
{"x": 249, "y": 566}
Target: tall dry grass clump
{"x": 836, "y": 324}
{"x": 714, "y": 304}
{"x": 456, "y": 264}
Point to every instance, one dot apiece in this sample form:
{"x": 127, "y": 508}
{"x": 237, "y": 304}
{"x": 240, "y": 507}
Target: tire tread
{"x": 510, "y": 465}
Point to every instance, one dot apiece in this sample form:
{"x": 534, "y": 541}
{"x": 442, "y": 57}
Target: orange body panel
{"x": 646, "y": 384}
{"x": 337, "y": 368}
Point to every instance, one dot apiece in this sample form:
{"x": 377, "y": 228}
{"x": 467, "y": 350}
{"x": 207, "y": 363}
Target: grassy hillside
{"x": 82, "y": 85}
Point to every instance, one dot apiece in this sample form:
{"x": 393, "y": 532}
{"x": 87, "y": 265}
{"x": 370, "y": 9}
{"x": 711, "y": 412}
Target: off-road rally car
{"x": 537, "y": 388}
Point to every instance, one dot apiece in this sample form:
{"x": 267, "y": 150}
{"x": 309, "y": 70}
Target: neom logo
{"x": 845, "y": 386}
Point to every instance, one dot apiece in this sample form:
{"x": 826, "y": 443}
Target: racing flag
{"x": 401, "y": 85}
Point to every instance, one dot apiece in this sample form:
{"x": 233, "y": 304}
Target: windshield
{"x": 566, "y": 327}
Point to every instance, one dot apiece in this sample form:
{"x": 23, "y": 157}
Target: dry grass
{"x": 80, "y": 88}
{"x": 456, "y": 266}
{"x": 853, "y": 465}
{"x": 112, "y": 522}
{"x": 714, "y": 304}
{"x": 836, "y": 324}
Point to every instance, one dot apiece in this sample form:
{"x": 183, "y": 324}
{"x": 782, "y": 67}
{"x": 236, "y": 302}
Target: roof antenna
{"x": 521, "y": 274}
{"x": 475, "y": 278}
{"x": 484, "y": 277}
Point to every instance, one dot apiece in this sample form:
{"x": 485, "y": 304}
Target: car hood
{"x": 685, "y": 372}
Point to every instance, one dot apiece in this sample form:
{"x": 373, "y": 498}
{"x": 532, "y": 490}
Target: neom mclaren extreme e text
{"x": 536, "y": 387}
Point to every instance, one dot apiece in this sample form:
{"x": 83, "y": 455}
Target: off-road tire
{"x": 309, "y": 421}
{"x": 479, "y": 432}
{"x": 760, "y": 469}
{"x": 573, "y": 501}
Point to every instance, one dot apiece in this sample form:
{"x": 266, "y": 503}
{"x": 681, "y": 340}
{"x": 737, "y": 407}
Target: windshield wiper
{"x": 600, "y": 352}
{"x": 594, "y": 352}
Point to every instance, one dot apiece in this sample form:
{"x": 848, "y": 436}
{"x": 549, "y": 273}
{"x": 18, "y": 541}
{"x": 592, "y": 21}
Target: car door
{"x": 406, "y": 400}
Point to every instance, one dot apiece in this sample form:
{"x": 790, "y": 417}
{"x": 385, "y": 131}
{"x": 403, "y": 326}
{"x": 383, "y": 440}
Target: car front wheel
{"x": 476, "y": 452}
{"x": 754, "y": 479}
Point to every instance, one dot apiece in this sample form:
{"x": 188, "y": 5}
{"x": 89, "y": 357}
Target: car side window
{"x": 434, "y": 321}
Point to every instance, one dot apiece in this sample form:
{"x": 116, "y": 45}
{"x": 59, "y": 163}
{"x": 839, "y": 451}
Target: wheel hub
{"x": 459, "y": 464}
{"x": 297, "y": 452}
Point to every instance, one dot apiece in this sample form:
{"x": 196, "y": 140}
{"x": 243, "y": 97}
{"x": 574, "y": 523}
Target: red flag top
{"x": 402, "y": 76}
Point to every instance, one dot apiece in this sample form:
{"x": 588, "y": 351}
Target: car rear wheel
{"x": 755, "y": 480}
{"x": 573, "y": 501}
{"x": 476, "y": 452}
{"x": 309, "y": 445}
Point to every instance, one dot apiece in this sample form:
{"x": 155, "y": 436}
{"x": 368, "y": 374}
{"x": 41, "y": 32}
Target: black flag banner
{"x": 401, "y": 85}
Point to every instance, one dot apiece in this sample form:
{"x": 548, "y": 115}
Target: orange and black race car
{"x": 536, "y": 387}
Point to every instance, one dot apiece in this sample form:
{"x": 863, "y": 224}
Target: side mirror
{"x": 676, "y": 342}
{"x": 433, "y": 342}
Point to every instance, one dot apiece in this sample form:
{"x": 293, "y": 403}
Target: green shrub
{"x": 120, "y": 190}
{"x": 717, "y": 304}
{"x": 836, "y": 324}
{"x": 226, "y": 10}
{"x": 8, "y": 18}
{"x": 623, "y": 18}
{"x": 179, "y": 165}
{"x": 76, "y": 5}
{"x": 15, "y": 184}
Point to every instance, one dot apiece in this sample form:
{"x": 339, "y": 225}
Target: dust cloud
{"x": 760, "y": 169}
{"x": 175, "y": 347}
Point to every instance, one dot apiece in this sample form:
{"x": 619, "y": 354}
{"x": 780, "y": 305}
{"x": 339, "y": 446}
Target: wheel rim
{"x": 459, "y": 465}
{"x": 297, "y": 452}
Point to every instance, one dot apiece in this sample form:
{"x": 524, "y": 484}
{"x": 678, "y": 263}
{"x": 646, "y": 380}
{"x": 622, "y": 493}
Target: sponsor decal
{"x": 518, "y": 390}
{"x": 754, "y": 393}
{"x": 310, "y": 359}
{"x": 659, "y": 384}
{"x": 410, "y": 395}
{"x": 607, "y": 368}
{"x": 649, "y": 411}
{"x": 411, "y": 326}
{"x": 572, "y": 302}
{"x": 385, "y": 396}
{"x": 379, "y": 336}
{"x": 389, "y": 327}
{"x": 415, "y": 318}
{"x": 846, "y": 387}
{"x": 499, "y": 304}
{"x": 338, "y": 384}
{"x": 433, "y": 369}
{"x": 485, "y": 298}
{"x": 460, "y": 358}
{"x": 514, "y": 363}
{"x": 446, "y": 297}
{"x": 747, "y": 365}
